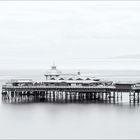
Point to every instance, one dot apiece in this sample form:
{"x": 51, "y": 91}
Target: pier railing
{"x": 56, "y": 87}
{"x": 69, "y": 88}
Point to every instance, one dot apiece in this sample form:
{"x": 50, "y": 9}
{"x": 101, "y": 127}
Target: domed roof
{"x": 53, "y": 71}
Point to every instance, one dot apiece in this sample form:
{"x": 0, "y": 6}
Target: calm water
{"x": 47, "y": 120}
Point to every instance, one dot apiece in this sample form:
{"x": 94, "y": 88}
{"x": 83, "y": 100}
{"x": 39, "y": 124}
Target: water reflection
{"x": 32, "y": 100}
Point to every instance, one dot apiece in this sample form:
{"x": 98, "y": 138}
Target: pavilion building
{"x": 56, "y": 77}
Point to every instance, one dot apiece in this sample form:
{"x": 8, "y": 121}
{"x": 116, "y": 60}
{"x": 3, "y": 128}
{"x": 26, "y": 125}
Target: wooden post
{"x": 121, "y": 95}
{"x": 138, "y": 97}
{"x": 134, "y": 100}
{"x": 114, "y": 96}
{"x": 130, "y": 97}
{"x": 109, "y": 96}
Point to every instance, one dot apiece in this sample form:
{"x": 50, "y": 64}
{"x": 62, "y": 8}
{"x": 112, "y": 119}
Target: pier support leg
{"x": 138, "y": 99}
{"x": 106, "y": 96}
{"x": 132, "y": 97}
{"x": 114, "y": 96}
{"x": 121, "y": 96}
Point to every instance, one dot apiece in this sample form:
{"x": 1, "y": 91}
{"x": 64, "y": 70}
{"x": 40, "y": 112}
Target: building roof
{"x": 125, "y": 83}
{"x": 20, "y": 81}
{"x": 53, "y": 71}
{"x": 67, "y": 81}
{"x": 73, "y": 78}
{"x": 56, "y": 76}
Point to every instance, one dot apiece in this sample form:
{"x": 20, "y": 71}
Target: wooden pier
{"x": 59, "y": 87}
{"x": 66, "y": 94}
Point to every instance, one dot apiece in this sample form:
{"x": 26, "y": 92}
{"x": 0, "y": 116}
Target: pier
{"x": 62, "y": 88}
{"x": 66, "y": 94}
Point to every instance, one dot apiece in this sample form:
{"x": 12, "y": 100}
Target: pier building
{"x": 56, "y": 78}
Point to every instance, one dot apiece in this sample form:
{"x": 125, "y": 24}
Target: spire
{"x": 53, "y": 66}
{"x": 79, "y": 73}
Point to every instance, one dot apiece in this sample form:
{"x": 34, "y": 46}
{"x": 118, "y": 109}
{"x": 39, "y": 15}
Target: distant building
{"x": 125, "y": 85}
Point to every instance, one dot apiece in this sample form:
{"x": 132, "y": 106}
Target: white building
{"x": 56, "y": 77}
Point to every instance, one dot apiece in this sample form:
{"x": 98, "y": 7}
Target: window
{"x": 70, "y": 79}
{"x": 88, "y": 79}
{"x": 52, "y": 78}
{"x": 61, "y": 79}
{"x": 79, "y": 79}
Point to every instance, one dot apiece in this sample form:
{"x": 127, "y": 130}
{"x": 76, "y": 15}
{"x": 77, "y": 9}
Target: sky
{"x": 81, "y": 34}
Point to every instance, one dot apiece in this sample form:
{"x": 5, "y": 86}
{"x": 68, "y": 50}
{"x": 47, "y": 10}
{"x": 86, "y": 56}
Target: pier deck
{"x": 69, "y": 93}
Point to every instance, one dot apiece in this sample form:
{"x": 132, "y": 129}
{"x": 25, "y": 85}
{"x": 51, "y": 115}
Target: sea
{"x": 72, "y": 120}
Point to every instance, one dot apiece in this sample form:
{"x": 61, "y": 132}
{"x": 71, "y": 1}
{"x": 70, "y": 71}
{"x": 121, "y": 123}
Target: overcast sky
{"x": 73, "y": 34}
